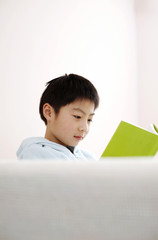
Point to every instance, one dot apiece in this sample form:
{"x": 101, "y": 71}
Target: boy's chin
{"x": 73, "y": 144}
{"x": 69, "y": 144}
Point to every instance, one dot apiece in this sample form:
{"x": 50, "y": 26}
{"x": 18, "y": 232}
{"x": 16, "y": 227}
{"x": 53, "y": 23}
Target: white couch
{"x": 113, "y": 199}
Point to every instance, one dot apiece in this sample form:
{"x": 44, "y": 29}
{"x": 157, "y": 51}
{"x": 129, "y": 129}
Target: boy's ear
{"x": 48, "y": 111}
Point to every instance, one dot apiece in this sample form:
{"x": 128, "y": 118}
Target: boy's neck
{"x": 71, "y": 149}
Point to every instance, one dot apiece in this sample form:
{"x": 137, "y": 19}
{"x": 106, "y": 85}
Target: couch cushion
{"x": 112, "y": 200}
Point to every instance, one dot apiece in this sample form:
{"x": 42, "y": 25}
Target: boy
{"x": 67, "y": 107}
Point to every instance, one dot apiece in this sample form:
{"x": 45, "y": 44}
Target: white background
{"x": 113, "y": 43}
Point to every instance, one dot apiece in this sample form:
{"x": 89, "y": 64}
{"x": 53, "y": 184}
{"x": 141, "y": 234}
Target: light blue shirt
{"x": 40, "y": 148}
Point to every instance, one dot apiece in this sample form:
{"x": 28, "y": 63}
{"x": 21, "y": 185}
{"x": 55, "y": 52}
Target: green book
{"x": 129, "y": 140}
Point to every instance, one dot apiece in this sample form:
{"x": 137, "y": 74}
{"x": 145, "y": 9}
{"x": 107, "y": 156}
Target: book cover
{"x": 129, "y": 140}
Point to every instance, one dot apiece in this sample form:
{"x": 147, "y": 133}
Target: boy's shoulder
{"x": 41, "y": 148}
{"x": 34, "y": 147}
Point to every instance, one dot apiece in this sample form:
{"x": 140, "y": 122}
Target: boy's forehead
{"x": 82, "y": 104}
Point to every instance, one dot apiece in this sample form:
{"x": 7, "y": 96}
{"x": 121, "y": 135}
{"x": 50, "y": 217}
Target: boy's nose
{"x": 84, "y": 127}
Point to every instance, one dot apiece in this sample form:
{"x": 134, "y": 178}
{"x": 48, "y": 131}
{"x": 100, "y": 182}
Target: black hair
{"x": 66, "y": 89}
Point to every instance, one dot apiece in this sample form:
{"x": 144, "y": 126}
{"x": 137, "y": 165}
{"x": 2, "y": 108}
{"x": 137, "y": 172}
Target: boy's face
{"x": 71, "y": 124}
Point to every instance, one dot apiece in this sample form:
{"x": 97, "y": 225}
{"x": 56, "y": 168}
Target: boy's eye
{"x": 89, "y": 120}
{"x": 76, "y": 116}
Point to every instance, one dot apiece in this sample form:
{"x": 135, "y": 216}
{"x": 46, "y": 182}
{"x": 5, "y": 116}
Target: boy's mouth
{"x": 78, "y": 137}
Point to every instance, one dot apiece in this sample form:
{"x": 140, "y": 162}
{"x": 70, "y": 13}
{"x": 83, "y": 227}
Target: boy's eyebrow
{"x": 80, "y": 110}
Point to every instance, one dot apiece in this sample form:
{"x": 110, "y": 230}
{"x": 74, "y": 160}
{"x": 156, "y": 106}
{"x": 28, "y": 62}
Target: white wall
{"x": 147, "y": 37}
{"x": 43, "y": 39}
